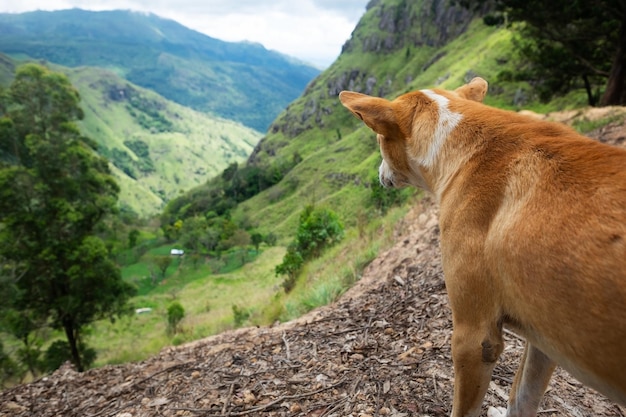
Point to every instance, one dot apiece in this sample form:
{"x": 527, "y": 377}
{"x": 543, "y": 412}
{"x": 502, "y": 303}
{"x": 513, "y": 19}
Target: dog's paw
{"x": 496, "y": 412}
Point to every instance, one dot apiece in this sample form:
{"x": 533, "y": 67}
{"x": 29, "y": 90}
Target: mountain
{"x": 397, "y": 46}
{"x": 240, "y": 81}
{"x": 157, "y": 148}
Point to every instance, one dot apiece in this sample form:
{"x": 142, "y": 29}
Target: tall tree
{"x": 54, "y": 192}
{"x": 572, "y": 42}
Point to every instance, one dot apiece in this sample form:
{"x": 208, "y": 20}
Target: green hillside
{"x": 396, "y": 47}
{"x": 158, "y": 148}
{"x": 239, "y": 81}
{"x": 316, "y": 152}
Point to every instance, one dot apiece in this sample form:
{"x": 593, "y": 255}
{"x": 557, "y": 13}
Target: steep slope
{"x": 397, "y": 46}
{"x": 7, "y": 69}
{"x": 240, "y": 81}
{"x": 158, "y": 148}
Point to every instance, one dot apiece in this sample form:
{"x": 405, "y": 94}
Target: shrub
{"x": 240, "y": 315}
{"x": 175, "y": 313}
{"x": 9, "y": 369}
{"x": 163, "y": 262}
{"x": 291, "y": 265}
{"x": 270, "y": 239}
{"x": 59, "y": 352}
{"x": 318, "y": 229}
{"x": 384, "y": 198}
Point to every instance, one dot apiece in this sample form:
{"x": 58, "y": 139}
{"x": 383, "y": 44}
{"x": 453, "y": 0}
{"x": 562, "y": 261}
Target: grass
{"x": 247, "y": 295}
{"x": 340, "y": 155}
{"x": 149, "y": 279}
{"x": 208, "y": 301}
{"x": 585, "y": 125}
{"x": 325, "y": 279}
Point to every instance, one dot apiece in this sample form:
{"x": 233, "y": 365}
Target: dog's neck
{"x": 440, "y": 161}
{"x": 447, "y": 122}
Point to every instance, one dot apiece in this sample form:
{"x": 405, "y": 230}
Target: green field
{"x": 207, "y": 298}
{"x": 247, "y": 295}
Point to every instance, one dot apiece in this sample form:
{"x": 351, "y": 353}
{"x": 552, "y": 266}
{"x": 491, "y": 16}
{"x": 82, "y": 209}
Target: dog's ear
{"x": 475, "y": 90}
{"x": 377, "y": 113}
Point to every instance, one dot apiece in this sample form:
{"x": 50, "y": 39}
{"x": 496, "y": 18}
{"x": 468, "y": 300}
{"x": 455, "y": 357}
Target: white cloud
{"x": 311, "y": 30}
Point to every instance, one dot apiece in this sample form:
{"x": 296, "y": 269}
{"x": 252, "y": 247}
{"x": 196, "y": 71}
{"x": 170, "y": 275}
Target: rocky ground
{"x": 382, "y": 350}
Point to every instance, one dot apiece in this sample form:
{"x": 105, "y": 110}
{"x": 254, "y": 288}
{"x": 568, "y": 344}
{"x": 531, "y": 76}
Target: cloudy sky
{"x": 311, "y": 30}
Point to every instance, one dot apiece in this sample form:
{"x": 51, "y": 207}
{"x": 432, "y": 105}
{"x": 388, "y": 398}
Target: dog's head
{"x": 412, "y": 129}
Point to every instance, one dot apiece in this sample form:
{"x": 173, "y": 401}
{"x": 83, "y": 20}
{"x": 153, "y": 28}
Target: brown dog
{"x": 533, "y": 237}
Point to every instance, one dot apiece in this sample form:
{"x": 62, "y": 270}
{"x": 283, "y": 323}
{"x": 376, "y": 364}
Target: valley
{"x": 206, "y": 167}
{"x": 158, "y": 148}
{"x": 240, "y": 81}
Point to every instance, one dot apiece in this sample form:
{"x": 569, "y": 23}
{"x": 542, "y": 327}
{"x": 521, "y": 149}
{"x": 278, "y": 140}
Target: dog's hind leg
{"x": 475, "y": 350}
{"x": 530, "y": 383}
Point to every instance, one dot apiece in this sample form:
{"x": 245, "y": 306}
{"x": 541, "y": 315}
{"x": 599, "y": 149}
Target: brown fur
{"x": 533, "y": 237}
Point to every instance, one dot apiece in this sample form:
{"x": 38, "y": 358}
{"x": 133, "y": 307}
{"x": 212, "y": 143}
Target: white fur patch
{"x": 448, "y": 120}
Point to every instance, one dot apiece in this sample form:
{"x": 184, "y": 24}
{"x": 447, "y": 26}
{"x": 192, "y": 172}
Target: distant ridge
{"x": 157, "y": 148}
{"x": 241, "y": 81}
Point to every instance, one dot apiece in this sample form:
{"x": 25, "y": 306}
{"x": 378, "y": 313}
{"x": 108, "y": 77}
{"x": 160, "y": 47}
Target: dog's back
{"x": 555, "y": 242}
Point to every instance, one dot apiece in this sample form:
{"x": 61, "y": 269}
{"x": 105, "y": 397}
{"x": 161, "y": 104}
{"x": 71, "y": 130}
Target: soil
{"x": 383, "y": 349}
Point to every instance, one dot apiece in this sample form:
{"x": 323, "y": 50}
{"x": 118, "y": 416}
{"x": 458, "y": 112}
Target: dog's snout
{"x": 386, "y": 182}
{"x": 385, "y": 176}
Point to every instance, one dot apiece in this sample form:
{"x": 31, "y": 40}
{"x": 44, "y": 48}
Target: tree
{"x": 193, "y": 233}
{"x": 257, "y": 239}
{"x": 318, "y": 228}
{"x": 163, "y": 262}
{"x": 240, "y": 239}
{"x": 54, "y": 193}
{"x": 175, "y": 313}
{"x": 211, "y": 238}
{"x": 569, "y": 40}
